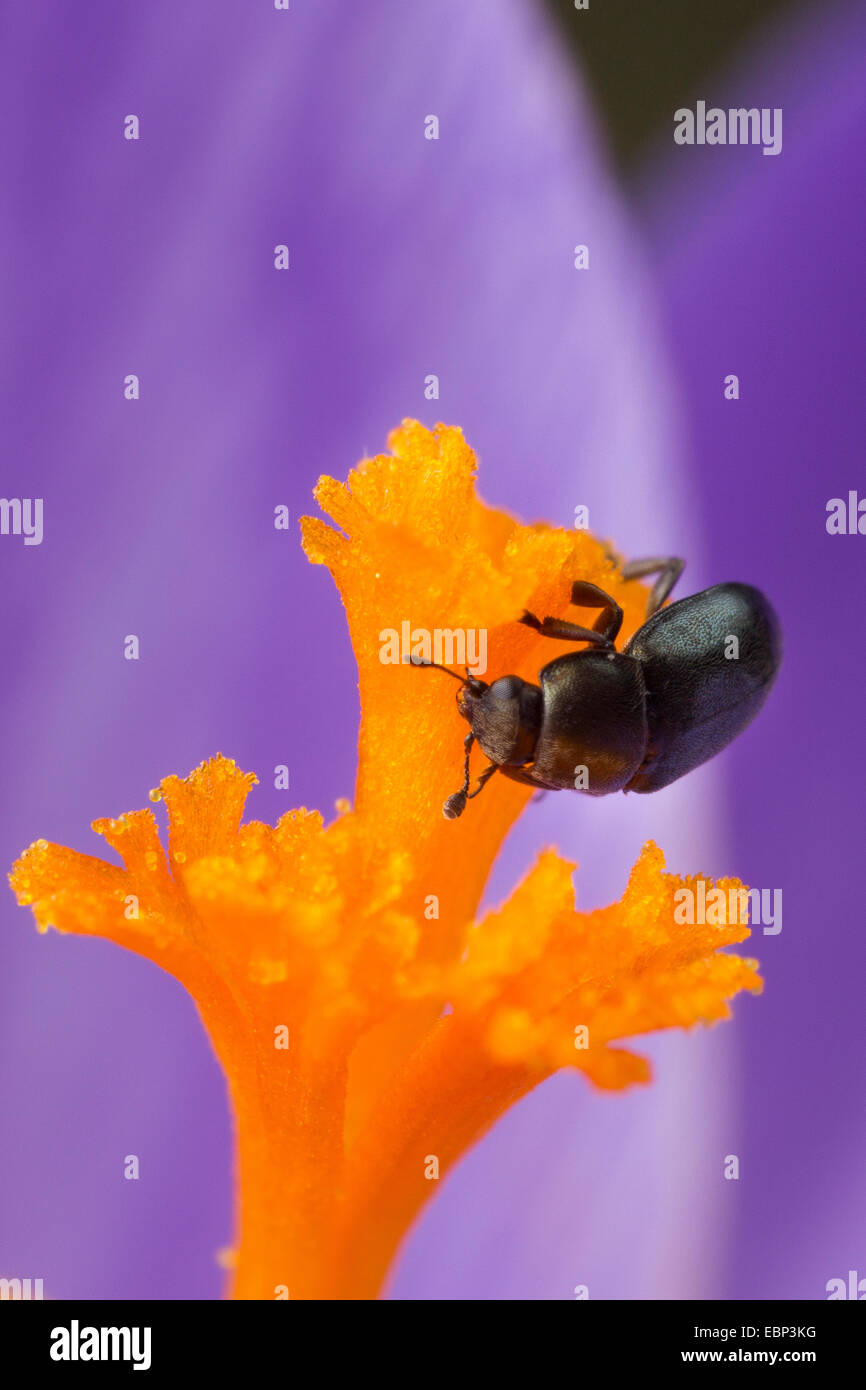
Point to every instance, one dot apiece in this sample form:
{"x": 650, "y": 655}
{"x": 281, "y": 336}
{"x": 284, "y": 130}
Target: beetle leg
{"x": 484, "y": 779}
{"x": 456, "y": 803}
{"x": 467, "y": 744}
{"x": 667, "y": 568}
{"x": 526, "y": 776}
{"x": 583, "y": 595}
{"x": 609, "y": 620}
{"x": 564, "y": 631}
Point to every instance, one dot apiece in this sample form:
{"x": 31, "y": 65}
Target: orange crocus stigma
{"x": 321, "y": 958}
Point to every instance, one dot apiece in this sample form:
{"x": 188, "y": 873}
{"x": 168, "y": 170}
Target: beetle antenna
{"x": 419, "y": 661}
{"x": 471, "y": 681}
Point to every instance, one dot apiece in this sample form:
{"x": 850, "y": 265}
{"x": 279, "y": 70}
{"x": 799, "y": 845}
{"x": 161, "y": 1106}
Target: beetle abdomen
{"x": 593, "y": 719}
{"x": 702, "y": 687}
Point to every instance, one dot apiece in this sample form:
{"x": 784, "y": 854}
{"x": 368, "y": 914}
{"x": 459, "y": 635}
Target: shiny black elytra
{"x": 636, "y": 720}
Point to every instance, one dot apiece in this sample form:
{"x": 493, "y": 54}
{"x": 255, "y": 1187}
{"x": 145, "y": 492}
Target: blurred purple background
{"x": 411, "y": 257}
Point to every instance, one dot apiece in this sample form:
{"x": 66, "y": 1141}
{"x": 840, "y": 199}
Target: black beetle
{"x": 634, "y": 720}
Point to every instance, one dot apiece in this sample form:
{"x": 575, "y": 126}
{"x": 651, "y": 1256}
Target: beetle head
{"x": 471, "y": 691}
{"x": 505, "y": 717}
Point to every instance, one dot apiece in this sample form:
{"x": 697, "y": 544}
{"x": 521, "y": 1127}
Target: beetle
{"x": 636, "y": 720}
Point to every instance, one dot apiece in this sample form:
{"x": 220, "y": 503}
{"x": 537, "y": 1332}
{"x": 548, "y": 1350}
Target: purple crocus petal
{"x": 762, "y": 261}
{"x": 409, "y": 257}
